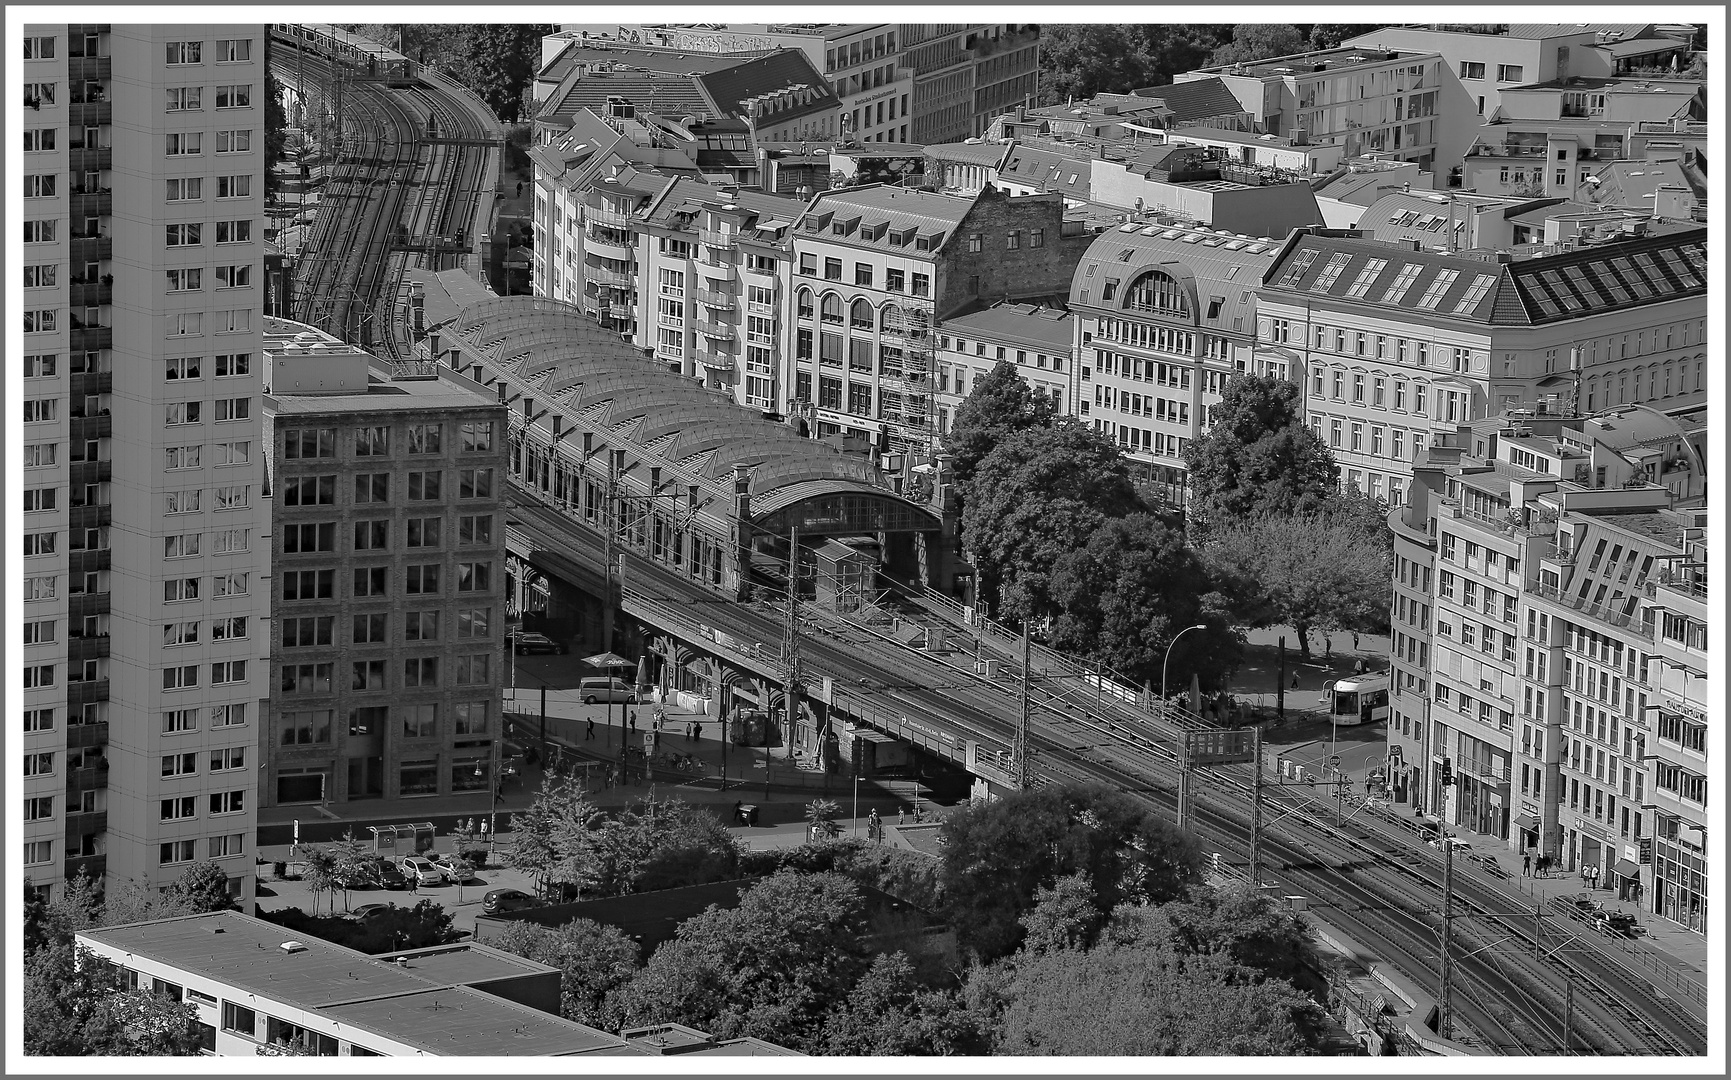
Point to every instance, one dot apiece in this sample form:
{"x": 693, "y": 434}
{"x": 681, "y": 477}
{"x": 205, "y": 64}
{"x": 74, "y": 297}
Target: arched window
{"x": 890, "y": 318}
{"x": 860, "y": 315}
{"x": 831, "y": 308}
{"x": 1158, "y": 292}
{"x": 805, "y": 303}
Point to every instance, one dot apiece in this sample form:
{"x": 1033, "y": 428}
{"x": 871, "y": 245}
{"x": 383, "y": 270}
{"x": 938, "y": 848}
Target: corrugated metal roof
{"x": 1221, "y": 268}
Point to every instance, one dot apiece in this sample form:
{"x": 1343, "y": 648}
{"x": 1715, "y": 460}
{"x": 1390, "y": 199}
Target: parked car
{"x": 607, "y": 690}
{"x": 360, "y": 877}
{"x": 370, "y": 911}
{"x": 389, "y": 875}
{"x": 423, "y": 869}
{"x": 498, "y": 900}
{"x": 538, "y": 643}
{"x": 447, "y": 865}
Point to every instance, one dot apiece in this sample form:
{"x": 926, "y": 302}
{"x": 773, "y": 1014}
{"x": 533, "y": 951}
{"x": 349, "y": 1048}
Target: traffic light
{"x": 1448, "y": 773}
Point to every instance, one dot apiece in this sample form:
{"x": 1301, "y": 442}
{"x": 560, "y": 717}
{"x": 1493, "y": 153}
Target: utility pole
{"x": 791, "y": 646}
{"x": 1569, "y": 1014}
{"x": 1184, "y": 793}
{"x": 615, "y": 458}
{"x": 1256, "y": 808}
{"x": 1445, "y": 986}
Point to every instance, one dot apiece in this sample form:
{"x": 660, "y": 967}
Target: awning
{"x": 774, "y": 225}
{"x": 1626, "y": 868}
{"x": 1529, "y": 822}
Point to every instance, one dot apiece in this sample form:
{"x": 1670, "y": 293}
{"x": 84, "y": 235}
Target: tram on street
{"x": 1361, "y": 699}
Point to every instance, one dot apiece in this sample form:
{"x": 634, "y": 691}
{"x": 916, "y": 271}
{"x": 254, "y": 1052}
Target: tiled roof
{"x": 1197, "y": 99}
{"x": 1223, "y": 269}
{"x": 728, "y": 87}
{"x": 1589, "y": 280}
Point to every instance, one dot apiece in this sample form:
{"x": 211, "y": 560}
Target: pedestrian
{"x": 901, "y": 815}
{"x": 696, "y": 731}
{"x": 1355, "y": 641}
{"x": 519, "y": 189}
{"x": 1358, "y": 666}
{"x": 1295, "y": 680}
{"x": 414, "y": 880}
{"x": 589, "y": 729}
{"x": 1527, "y": 864}
{"x": 633, "y": 721}
{"x": 739, "y": 812}
{"x": 1328, "y": 646}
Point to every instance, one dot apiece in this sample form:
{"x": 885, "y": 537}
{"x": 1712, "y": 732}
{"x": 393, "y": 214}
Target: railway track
{"x": 1383, "y": 889}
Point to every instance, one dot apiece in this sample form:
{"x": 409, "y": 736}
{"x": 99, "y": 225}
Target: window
{"x": 305, "y": 679}
{"x": 41, "y": 543}
{"x": 227, "y": 715}
{"x": 420, "y": 721}
{"x": 228, "y": 629}
{"x": 372, "y": 534}
{"x": 370, "y": 581}
{"x": 235, "y": 141}
{"x": 181, "y": 502}
{"x": 185, "y": 189}
{"x": 189, "y": 280}
{"x": 234, "y": 497}
{"x": 183, "y": 235}
{"x": 37, "y": 500}
{"x": 309, "y": 490}
{"x": 473, "y": 622}
{"x": 37, "y": 95}
{"x": 40, "y": 277}
{"x": 473, "y": 670}
{"x": 475, "y": 529}
{"x": 420, "y": 671}
{"x": 1471, "y": 70}
{"x": 233, "y": 50}
{"x": 37, "y": 676}
{"x": 229, "y": 365}
{"x": 234, "y": 277}
{"x": 368, "y": 675}
{"x": 474, "y": 577}
{"x": 185, "y": 52}
{"x": 225, "y": 847}
{"x": 184, "y": 677}
{"x": 41, "y": 320}
{"x": 182, "y": 457}
{"x": 234, "y": 232}
{"x": 368, "y": 629}
{"x": 372, "y": 441}
{"x": 175, "y": 590}
{"x": 35, "y": 809}
{"x": 922, "y": 284}
{"x": 424, "y": 486}
{"x": 832, "y": 269}
{"x": 185, "y": 98}
{"x": 228, "y": 409}
{"x": 39, "y": 48}
{"x": 425, "y": 438}
{"x": 301, "y": 633}
{"x": 228, "y": 802}
{"x": 240, "y": 1019}
{"x": 423, "y": 578}
{"x": 233, "y": 322}
{"x": 39, "y": 455}
{"x": 231, "y": 540}
{"x": 477, "y": 436}
{"x": 1508, "y": 73}
{"x": 178, "y": 851}
{"x": 181, "y": 546}
{"x": 473, "y": 483}
{"x": 39, "y": 632}
{"x": 235, "y": 96}
{"x": 306, "y": 584}
{"x": 184, "y": 144}
{"x": 180, "y": 765}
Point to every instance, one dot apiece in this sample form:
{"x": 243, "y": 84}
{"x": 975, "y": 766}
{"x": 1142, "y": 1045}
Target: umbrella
{"x": 643, "y": 670}
{"x": 606, "y": 660}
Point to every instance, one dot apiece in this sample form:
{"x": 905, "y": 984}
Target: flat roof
{"x": 1306, "y": 63}
{"x": 465, "y": 963}
{"x": 456, "y": 1021}
{"x": 1012, "y": 322}
{"x": 445, "y": 389}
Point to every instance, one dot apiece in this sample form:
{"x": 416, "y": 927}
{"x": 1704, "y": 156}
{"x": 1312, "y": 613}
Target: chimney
{"x": 501, "y": 388}
{"x": 433, "y": 347}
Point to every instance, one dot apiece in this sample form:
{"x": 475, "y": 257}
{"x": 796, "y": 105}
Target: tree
{"x": 1123, "y": 1000}
{"x": 997, "y": 855}
{"x": 553, "y": 837}
{"x": 74, "y": 1005}
{"x": 660, "y": 844}
{"x": 1080, "y": 60}
{"x": 593, "y": 961}
{"x": 1258, "y": 41}
{"x": 1258, "y": 457}
{"x": 775, "y": 967}
{"x": 275, "y": 136}
{"x": 320, "y": 874}
{"x": 202, "y": 887}
{"x": 1238, "y": 921}
{"x": 1064, "y": 916}
{"x": 1305, "y": 572}
{"x": 1030, "y": 500}
{"x": 820, "y": 814}
{"x": 889, "y": 1014}
{"x": 1000, "y": 404}
{"x": 1128, "y": 592}
{"x": 77, "y": 905}
{"x": 1330, "y": 35}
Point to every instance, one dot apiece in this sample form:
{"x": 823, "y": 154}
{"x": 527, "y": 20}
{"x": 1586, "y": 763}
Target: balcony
{"x": 80, "y": 69}
{"x": 92, "y": 338}
{"x": 81, "y": 736}
{"x": 89, "y": 249}
{"x": 85, "y": 159}
{"x": 78, "y": 825}
{"x": 92, "y": 382}
{"x": 718, "y": 300}
{"x": 83, "y": 114}
{"x": 715, "y": 358}
{"x": 89, "y": 560}
{"x": 89, "y": 779}
{"x": 91, "y": 294}
{"x": 715, "y": 330}
{"x": 608, "y": 248}
{"x": 601, "y": 275}
{"x": 90, "y": 516}
{"x": 92, "y": 427}
{"x": 93, "y": 865}
{"x": 80, "y": 649}
{"x": 596, "y": 215}
{"x": 620, "y": 309}
{"x": 713, "y": 238}
{"x": 1485, "y": 773}
{"x": 98, "y": 203}
{"x": 81, "y": 605}
{"x": 83, "y": 693}
{"x": 721, "y": 271}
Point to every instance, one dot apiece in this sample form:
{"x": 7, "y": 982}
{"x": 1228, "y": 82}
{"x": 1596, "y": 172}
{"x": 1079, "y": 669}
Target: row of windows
{"x": 230, "y": 628}
{"x": 1342, "y": 437}
{"x": 311, "y": 727}
{"x": 419, "y": 486}
{"x": 372, "y": 628}
{"x": 227, "y": 51}
{"x": 375, "y": 440}
{"x": 422, "y": 579}
{"x": 191, "y": 98}
{"x": 369, "y": 675}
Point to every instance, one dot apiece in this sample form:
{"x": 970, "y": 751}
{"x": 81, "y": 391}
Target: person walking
{"x": 589, "y": 729}
{"x": 414, "y": 880}
{"x": 1527, "y": 864}
{"x": 696, "y": 731}
{"x": 633, "y": 721}
{"x": 1355, "y": 641}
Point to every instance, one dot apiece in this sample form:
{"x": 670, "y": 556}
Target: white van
{"x": 606, "y": 690}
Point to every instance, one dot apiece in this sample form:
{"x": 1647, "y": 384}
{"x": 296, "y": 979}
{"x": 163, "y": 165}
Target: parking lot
{"x": 463, "y": 902}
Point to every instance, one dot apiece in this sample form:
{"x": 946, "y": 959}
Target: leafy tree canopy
{"x": 1033, "y": 497}
{"x": 890, "y": 1014}
{"x": 1001, "y": 403}
{"x": 998, "y": 855}
{"x": 1307, "y": 572}
{"x": 1127, "y": 593}
{"x": 1259, "y": 41}
{"x": 1259, "y": 457}
{"x": 1079, "y": 60}
{"x": 74, "y": 1005}
{"x": 593, "y": 961}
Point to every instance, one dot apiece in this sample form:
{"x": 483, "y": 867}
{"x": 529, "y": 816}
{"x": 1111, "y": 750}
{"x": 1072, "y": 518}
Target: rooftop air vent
{"x": 293, "y": 946}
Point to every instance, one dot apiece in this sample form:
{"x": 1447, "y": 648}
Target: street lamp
{"x": 1163, "y": 663}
